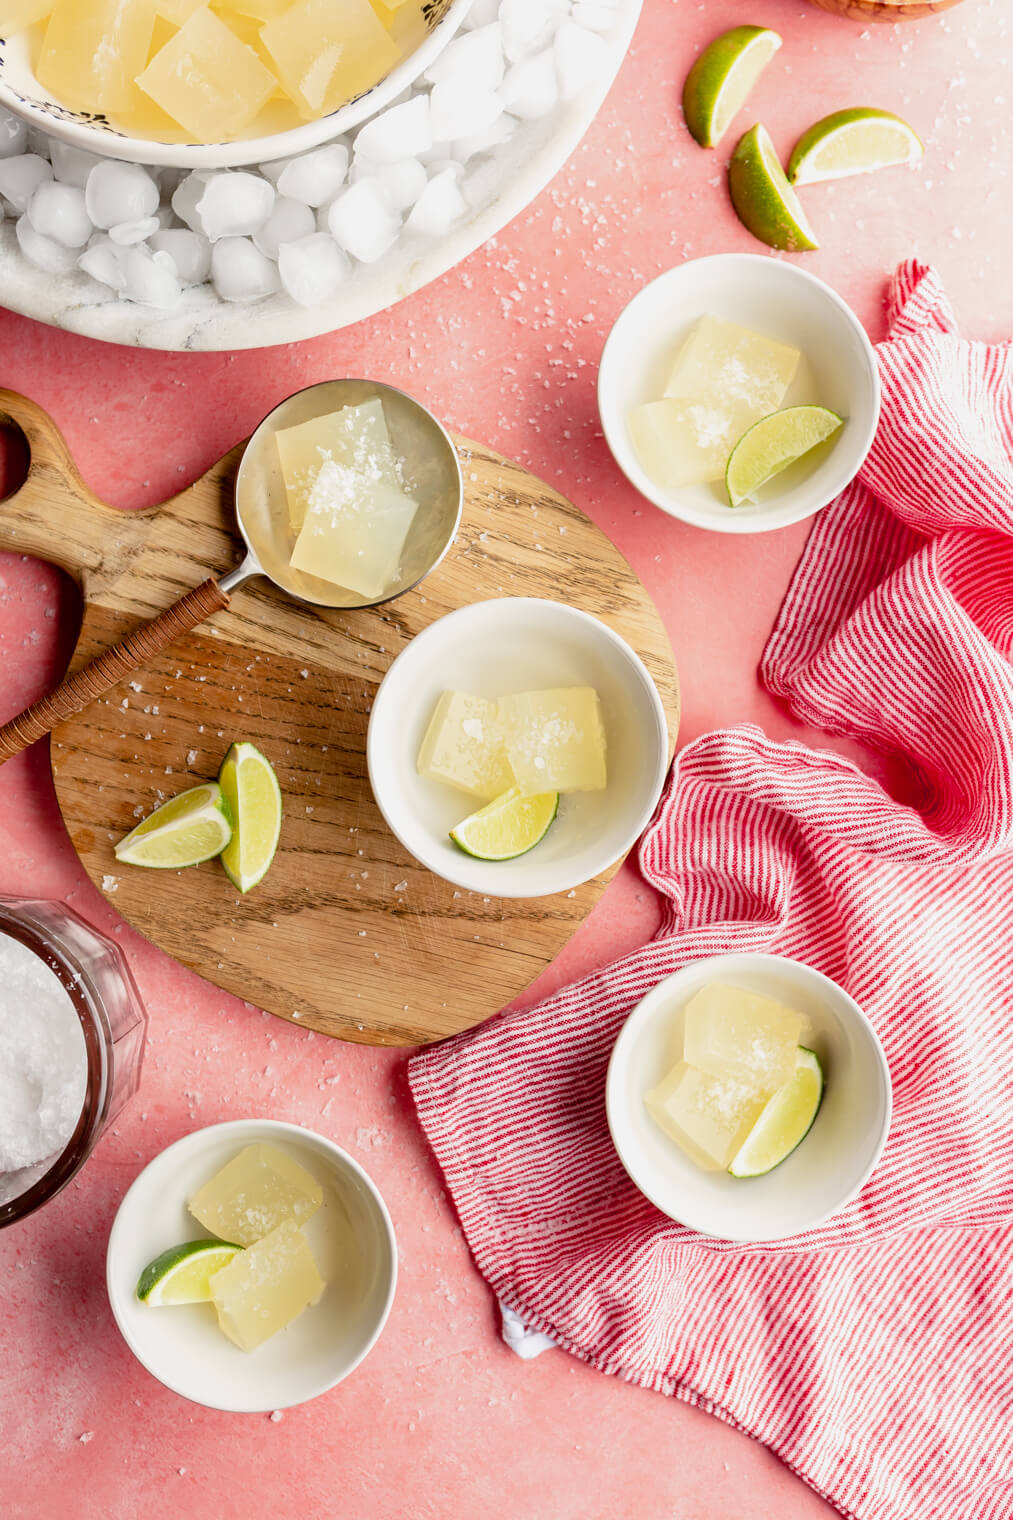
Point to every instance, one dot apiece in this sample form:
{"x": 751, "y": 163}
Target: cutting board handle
{"x": 111, "y": 667}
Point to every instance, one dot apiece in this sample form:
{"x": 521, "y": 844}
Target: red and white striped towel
{"x": 875, "y": 1354}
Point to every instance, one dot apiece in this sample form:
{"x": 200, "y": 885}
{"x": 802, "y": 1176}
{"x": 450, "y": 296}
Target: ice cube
{"x": 400, "y": 132}
{"x": 463, "y": 746}
{"x": 289, "y": 220}
{"x": 312, "y": 268}
{"x": 186, "y": 196}
{"x": 555, "y": 739}
{"x": 58, "y": 212}
{"x": 529, "y": 25}
{"x": 20, "y": 178}
{"x": 709, "y": 1117}
{"x": 71, "y": 165}
{"x": 262, "y": 1187}
{"x": 501, "y": 131}
{"x": 13, "y": 135}
{"x": 481, "y": 13}
{"x": 581, "y": 58}
{"x": 265, "y": 1287}
{"x": 595, "y": 15}
{"x": 440, "y": 206}
{"x": 315, "y": 177}
{"x": 402, "y": 182}
{"x": 148, "y": 278}
{"x": 44, "y": 252}
{"x": 363, "y": 221}
{"x": 736, "y": 1033}
{"x": 117, "y": 192}
{"x": 190, "y": 253}
{"x": 472, "y": 60}
{"x": 126, "y": 233}
{"x": 101, "y": 260}
{"x": 531, "y": 89}
{"x": 240, "y": 272}
{"x": 233, "y": 204}
{"x": 457, "y": 110}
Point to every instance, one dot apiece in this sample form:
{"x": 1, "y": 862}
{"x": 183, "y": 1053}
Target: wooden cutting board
{"x": 347, "y": 933}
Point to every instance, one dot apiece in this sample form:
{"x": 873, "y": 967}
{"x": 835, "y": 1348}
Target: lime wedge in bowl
{"x": 774, "y": 443}
{"x": 784, "y": 1121}
{"x": 852, "y": 142}
{"x": 251, "y": 788}
{"x": 510, "y": 825}
{"x": 195, "y": 826}
{"x": 764, "y": 201}
{"x": 182, "y": 1275}
{"x": 721, "y": 78}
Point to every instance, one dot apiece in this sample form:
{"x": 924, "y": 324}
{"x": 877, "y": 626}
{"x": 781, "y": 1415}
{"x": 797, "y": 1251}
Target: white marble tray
{"x": 506, "y": 183}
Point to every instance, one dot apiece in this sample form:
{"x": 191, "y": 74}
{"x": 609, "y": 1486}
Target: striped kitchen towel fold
{"x": 874, "y": 1354}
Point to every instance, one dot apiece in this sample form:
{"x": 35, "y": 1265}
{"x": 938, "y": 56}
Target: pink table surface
{"x": 442, "y": 1420}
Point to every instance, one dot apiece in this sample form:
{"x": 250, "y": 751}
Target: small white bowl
{"x": 351, "y": 1236}
{"x": 491, "y": 649}
{"x": 783, "y": 302}
{"x": 22, "y": 93}
{"x": 828, "y": 1169}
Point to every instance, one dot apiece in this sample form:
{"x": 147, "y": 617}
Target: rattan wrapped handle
{"x": 107, "y": 670}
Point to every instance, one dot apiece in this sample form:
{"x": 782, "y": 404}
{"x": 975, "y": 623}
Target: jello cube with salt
{"x": 92, "y": 50}
{"x": 708, "y": 1116}
{"x": 355, "y": 437}
{"x": 463, "y": 746}
{"x": 354, "y": 531}
{"x": 682, "y": 443}
{"x": 265, "y": 1288}
{"x": 327, "y": 52}
{"x": 555, "y": 740}
{"x": 746, "y": 1036}
{"x": 207, "y": 80}
{"x": 258, "y": 1190}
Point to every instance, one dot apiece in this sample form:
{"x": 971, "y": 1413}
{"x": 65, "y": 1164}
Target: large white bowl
{"x": 832, "y": 1164}
{"x": 783, "y": 302}
{"x": 351, "y": 1236}
{"x": 22, "y": 93}
{"x": 494, "y": 648}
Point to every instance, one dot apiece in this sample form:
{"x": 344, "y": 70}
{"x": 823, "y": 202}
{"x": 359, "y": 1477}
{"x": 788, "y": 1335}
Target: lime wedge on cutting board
{"x": 508, "y": 826}
{"x": 195, "y": 826}
{"x": 764, "y": 201}
{"x": 182, "y": 1275}
{"x": 774, "y": 443}
{"x": 784, "y": 1121}
{"x": 251, "y": 788}
{"x": 852, "y": 142}
{"x": 721, "y": 78}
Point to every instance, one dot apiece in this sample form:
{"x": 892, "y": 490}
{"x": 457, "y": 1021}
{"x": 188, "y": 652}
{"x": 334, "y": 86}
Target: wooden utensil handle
{"x": 111, "y": 667}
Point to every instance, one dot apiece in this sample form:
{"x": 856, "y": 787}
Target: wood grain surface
{"x": 347, "y": 933}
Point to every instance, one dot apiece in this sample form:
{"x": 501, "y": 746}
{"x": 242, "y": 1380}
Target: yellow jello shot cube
{"x": 555, "y": 740}
{"x": 15, "y": 15}
{"x": 355, "y": 437}
{"x": 256, "y": 10}
{"x": 734, "y": 1033}
{"x": 463, "y": 746}
{"x": 93, "y": 49}
{"x": 266, "y": 1287}
{"x": 207, "y": 80}
{"x": 327, "y": 52}
{"x": 258, "y": 1190}
{"x": 708, "y": 1116}
{"x": 178, "y": 11}
{"x": 354, "y": 531}
{"x": 682, "y": 443}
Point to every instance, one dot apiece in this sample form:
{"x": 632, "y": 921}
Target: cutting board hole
{"x": 15, "y": 457}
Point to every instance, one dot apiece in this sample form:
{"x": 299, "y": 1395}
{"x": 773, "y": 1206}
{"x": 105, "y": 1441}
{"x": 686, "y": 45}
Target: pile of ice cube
{"x": 300, "y": 225}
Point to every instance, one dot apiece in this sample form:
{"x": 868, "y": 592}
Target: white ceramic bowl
{"x": 22, "y": 93}
{"x": 351, "y": 1236}
{"x": 831, "y": 1165}
{"x": 494, "y": 648}
{"x": 783, "y": 302}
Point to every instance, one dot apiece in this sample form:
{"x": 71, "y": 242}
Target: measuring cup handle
{"x": 111, "y": 667}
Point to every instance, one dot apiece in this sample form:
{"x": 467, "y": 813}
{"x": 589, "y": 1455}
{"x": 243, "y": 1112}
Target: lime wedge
{"x": 719, "y": 81}
{"x": 852, "y": 142}
{"x": 784, "y": 1121}
{"x": 187, "y": 829}
{"x": 772, "y": 444}
{"x": 510, "y": 825}
{"x": 182, "y": 1275}
{"x": 764, "y": 201}
{"x": 248, "y": 781}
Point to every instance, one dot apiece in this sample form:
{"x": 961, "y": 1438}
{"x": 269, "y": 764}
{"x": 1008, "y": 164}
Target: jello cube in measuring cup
{"x": 92, "y": 51}
{"x": 266, "y": 1287}
{"x": 354, "y": 436}
{"x": 709, "y": 1117}
{"x": 258, "y": 1190}
{"x": 354, "y": 531}
{"x": 207, "y": 80}
{"x": 327, "y": 54}
{"x": 555, "y": 740}
{"x": 463, "y": 746}
{"x": 745, "y": 1036}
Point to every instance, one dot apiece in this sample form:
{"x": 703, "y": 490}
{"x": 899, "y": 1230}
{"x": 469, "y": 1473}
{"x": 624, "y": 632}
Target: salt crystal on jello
{"x": 708, "y": 1116}
{"x": 463, "y": 746}
{"x": 258, "y": 1190}
{"x": 265, "y": 1288}
{"x": 555, "y": 740}
{"x": 356, "y": 437}
{"x": 742, "y": 1035}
